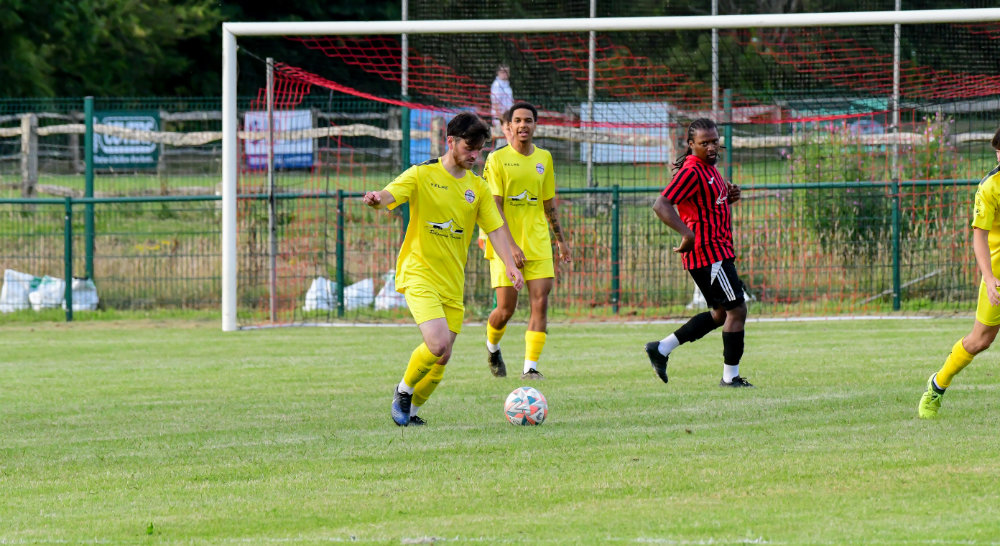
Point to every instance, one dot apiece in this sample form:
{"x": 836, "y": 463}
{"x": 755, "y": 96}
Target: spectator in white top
{"x": 501, "y": 98}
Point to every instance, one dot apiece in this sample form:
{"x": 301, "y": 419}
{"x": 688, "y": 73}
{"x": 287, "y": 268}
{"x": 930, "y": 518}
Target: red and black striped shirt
{"x": 702, "y": 200}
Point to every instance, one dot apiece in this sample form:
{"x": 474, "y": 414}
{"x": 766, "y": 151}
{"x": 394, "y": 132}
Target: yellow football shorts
{"x": 986, "y": 313}
{"x": 426, "y": 304}
{"x": 533, "y": 269}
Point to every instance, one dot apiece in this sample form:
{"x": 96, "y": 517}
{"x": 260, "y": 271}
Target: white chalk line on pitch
{"x": 606, "y": 539}
{"x": 599, "y": 322}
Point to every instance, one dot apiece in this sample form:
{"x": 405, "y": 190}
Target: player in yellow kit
{"x": 446, "y": 201}
{"x": 523, "y": 185}
{"x": 986, "y": 246}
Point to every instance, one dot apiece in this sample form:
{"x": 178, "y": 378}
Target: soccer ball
{"x": 526, "y": 406}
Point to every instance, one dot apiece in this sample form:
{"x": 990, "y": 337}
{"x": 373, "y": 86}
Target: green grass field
{"x": 172, "y": 432}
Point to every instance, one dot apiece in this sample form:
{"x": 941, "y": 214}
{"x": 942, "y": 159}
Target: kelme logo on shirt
{"x": 540, "y": 168}
{"x": 470, "y": 196}
{"x": 523, "y": 198}
{"x": 446, "y": 229}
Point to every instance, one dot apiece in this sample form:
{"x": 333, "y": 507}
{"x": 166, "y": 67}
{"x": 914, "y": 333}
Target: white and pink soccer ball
{"x": 526, "y": 406}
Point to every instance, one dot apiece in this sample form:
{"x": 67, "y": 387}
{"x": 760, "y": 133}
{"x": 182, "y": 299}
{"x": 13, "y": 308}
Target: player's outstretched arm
{"x": 665, "y": 211}
{"x": 378, "y": 199}
{"x": 500, "y": 238}
{"x": 562, "y": 246}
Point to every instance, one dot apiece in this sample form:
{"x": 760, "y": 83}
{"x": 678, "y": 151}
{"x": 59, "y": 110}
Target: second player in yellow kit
{"x": 522, "y": 180}
{"x": 986, "y": 247}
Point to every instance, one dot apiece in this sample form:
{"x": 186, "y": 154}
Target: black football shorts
{"x": 720, "y": 284}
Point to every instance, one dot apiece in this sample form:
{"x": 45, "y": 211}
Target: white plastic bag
{"x": 359, "y": 294}
{"x": 387, "y": 297}
{"x": 16, "y": 287}
{"x": 84, "y": 295}
{"x": 321, "y": 296}
{"x": 49, "y": 295}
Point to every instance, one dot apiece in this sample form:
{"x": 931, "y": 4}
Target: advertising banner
{"x": 288, "y": 154}
{"x": 114, "y": 152}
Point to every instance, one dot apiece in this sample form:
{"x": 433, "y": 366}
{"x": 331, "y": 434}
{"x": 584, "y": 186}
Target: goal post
{"x": 231, "y": 31}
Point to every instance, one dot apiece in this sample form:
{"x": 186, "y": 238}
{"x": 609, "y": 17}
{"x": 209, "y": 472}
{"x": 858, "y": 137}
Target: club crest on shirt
{"x": 446, "y": 229}
{"x": 540, "y": 168}
{"x": 470, "y": 196}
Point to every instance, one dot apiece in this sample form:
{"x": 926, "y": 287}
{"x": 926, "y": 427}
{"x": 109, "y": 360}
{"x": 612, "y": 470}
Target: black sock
{"x": 695, "y": 328}
{"x": 732, "y": 347}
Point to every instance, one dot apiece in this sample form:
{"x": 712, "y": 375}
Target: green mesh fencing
{"x": 798, "y": 253}
{"x": 148, "y": 255}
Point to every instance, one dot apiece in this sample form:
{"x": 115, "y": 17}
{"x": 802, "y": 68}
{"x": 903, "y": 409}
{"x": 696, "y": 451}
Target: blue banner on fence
{"x": 288, "y": 153}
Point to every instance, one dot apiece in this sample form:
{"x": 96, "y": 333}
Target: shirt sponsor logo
{"x": 446, "y": 229}
{"x": 523, "y": 198}
{"x": 438, "y": 186}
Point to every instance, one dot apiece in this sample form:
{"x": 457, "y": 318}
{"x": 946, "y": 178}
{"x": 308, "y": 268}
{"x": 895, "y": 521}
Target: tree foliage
{"x": 104, "y": 47}
{"x": 120, "y": 48}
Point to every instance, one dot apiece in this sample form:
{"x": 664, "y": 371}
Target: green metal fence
{"x": 902, "y": 248}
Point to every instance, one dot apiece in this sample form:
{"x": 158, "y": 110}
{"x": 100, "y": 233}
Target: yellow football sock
{"x": 426, "y": 386}
{"x": 421, "y": 360}
{"x": 958, "y": 359}
{"x": 493, "y": 335}
{"x": 533, "y": 343}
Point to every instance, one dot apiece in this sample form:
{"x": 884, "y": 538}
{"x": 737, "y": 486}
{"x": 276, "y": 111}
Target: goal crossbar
{"x": 615, "y": 24}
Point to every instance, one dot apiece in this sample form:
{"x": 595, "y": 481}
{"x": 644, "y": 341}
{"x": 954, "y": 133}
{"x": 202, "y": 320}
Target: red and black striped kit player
{"x": 696, "y": 204}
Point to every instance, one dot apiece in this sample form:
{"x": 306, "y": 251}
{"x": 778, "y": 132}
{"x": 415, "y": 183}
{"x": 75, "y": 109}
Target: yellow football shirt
{"x": 524, "y": 182}
{"x": 987, "y": 216}
{"x": 443, "y": 213}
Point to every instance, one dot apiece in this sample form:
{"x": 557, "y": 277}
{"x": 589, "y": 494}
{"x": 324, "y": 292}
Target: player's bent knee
{"x": 501, "y": 315}
{"x": 977, "y": 345}
{"x": 439, "y": 348}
